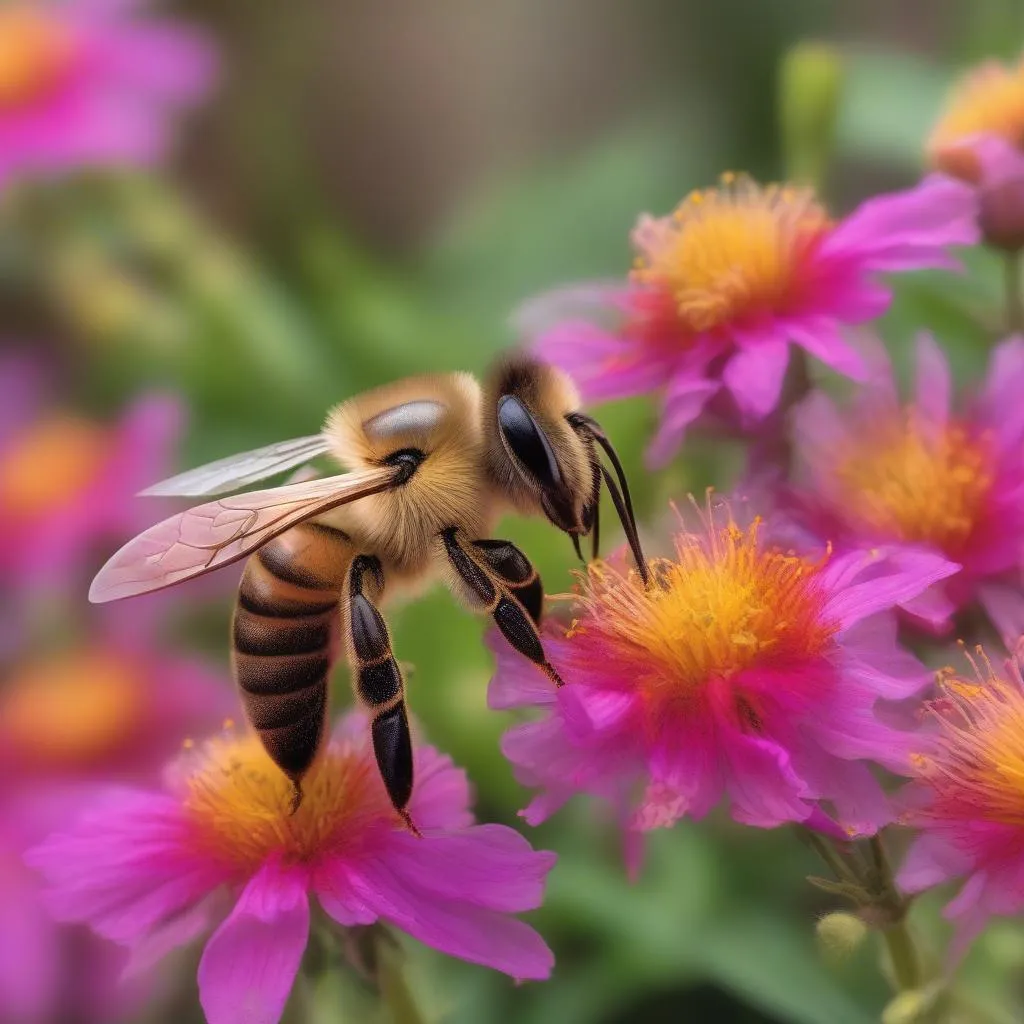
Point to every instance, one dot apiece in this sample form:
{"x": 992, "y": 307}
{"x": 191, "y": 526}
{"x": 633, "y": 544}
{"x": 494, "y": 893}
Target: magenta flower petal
{"x": 708, "y": 304}
{"x": 250, "y": 962}
{"x": 934, "y": 388}
{"x": 754, "y": 376}
{"x": 931, "y": 861}
{"x": 455, "y": 927}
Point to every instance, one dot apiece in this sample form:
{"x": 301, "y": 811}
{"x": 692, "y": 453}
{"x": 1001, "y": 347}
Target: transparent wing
{"x": 219, "y": 532}
{"x": 238, "y": 471}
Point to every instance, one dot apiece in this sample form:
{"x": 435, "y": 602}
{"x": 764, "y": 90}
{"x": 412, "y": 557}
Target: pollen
{"x": 724, "y": 604}
{"x": 36, "y": 53}
{"x": 732, "y": 254}
{"x": 976, "y": 769}
{"x": 240, "y": 804}
{"x": 72, "y": 709}
{"x": 50, "y": 465}
{"x": 988, "y": 101}
{"x": 911, "y": 481}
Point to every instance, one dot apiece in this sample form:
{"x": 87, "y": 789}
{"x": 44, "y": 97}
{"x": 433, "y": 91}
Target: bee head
{"x": 544, "y": 453}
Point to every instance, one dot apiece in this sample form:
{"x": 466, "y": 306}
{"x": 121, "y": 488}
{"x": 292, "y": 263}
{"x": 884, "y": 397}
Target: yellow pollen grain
{"x": 71, "y": 709}
{"x": 732, "y": 252}
{"x": 717, "y": 609}
{"x": 50, "y": 465}
{"x": 240, "y": 804}
{"x": 35, "y": 53}
{"x": 906, "y": 480}
{"x": 988, "y": 100}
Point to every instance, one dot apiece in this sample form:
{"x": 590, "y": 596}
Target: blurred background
{"x": 367, "y": 193}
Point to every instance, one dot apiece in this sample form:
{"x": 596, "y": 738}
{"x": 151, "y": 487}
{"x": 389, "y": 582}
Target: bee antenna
{"x": 621, "y": 499}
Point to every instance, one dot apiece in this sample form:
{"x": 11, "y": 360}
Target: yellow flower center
{"x": 717, "y": 608}
{"x": 732, "y": 253}
{"x": 240, "y": 804}
{"x": 50, "y": 465}
{"x": 72, "y": 709}
{"x": 990, "y": 101}
{"x": 977, "y": 770}
{"x": 35, "y": 53}
{"x": 906, "y": 481}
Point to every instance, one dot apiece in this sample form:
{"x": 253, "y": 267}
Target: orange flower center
{"x": 717, "y": 608}
{"x": 908, "y": 482}
{"x": 977, "y": 770}
{"x": 51, "y": 465}
{"x": 35, "y": 54}
{"x": 240, "y": 804}
{"x": 732, "y": 253}
{"x": 71, "y": 710}
{"x": 987, "y": 101}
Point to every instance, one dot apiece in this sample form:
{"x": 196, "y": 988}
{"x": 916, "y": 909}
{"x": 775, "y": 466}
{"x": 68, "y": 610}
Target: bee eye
{"x": 527, "y": 442}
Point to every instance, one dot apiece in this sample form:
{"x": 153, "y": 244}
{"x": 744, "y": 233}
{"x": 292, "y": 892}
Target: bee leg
{"x": 378, "y": 682}
{"x": 485, "y": 589}
{"x": 516, "y": 572}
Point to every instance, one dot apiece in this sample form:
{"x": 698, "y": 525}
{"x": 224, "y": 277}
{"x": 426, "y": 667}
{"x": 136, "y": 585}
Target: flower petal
{"x": 934, "y": 387}
{"x": 250, "y": 962}
{"x": 930, "y": 861}
{"x": 460, "y": 929}
{"x": 754, "y": 376}
{"x": 685, "y": 399}
{"x": 821, "y": 338}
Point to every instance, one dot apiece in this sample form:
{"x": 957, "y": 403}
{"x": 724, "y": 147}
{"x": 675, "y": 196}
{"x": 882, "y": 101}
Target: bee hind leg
{"x": 496, "y": 577}
{"x": 378, "y": 683}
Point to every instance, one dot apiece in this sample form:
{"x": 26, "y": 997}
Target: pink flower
{"x": 723, "y": 286}
{"x": 141, "y": 868}
{"x": 83, "y": 84}
{"x": 925, "y": 475}
{"x": 70, "y": 721}
{"x": 967, "y": 798}
{"x": 67, "y": 483}
{"x": 743, "y": 671}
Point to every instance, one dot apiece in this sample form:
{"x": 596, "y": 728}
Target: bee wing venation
{"x": 217, "y": 533}
{"x": 237, "y": 471}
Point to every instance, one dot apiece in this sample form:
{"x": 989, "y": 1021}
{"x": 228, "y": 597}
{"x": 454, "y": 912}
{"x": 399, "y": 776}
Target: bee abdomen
{"x": 285, "y": 636}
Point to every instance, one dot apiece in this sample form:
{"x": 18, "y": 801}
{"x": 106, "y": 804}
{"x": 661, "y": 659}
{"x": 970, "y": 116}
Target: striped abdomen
{"x": 285, "y": 634}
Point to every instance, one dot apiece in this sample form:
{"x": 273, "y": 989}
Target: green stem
{"x": 906, "y": 965}
{"x": 1014, "y": 298}
{"x": 824, "y": 849}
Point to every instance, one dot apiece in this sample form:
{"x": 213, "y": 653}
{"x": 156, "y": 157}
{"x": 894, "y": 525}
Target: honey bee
{"x": 431, "y": 463}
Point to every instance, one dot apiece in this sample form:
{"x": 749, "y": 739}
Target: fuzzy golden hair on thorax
{"x": 438, "y": 416}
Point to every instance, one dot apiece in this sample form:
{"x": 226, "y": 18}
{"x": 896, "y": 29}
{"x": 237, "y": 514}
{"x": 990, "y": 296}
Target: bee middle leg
{"x": 378, "y": 681}
{"x": 496, "y": 577}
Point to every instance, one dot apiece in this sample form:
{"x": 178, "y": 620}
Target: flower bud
{"x": 810, "y": 89}
{"x": 911, "y": 1006}
{"x": 840, "y": 934}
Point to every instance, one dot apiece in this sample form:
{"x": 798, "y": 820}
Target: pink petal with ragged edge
{"x": 759, "y": 776}
{"x": 913, "y": 571}
{"x": 250, "y": 963}
{"x": 172, "y": 934}
{"x": 754, "y": 376}
{"x": 821, "y": 338}
{"x": 488, "y": 866}
{"x": 872, "y": 657}
{"x": 601, "y": 364}
{"x": 930, "y": 861}
{"x": 591, "y": 710}
{"x": 441, "y": 795}
{"x": 999, "y": 406}
{"x": 861, "y": 805}
{"x": 933, "y": 387}
{"x": 600, "y": 302}
{"x": 907, "y": 230}
{"x": 124, "y": 866}
{"x": 685, "y": 399}
{"x": 1004, "y": 605}
{"x": 460, "y": 929}
{"x": 517, "y": 682}
{"x": 685, "y": 769}
{"x": 932, "y": 612}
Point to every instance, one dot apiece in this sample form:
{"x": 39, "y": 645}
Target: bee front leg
{"x": 378, "y": 681}
{"x": 494, "y": 576}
